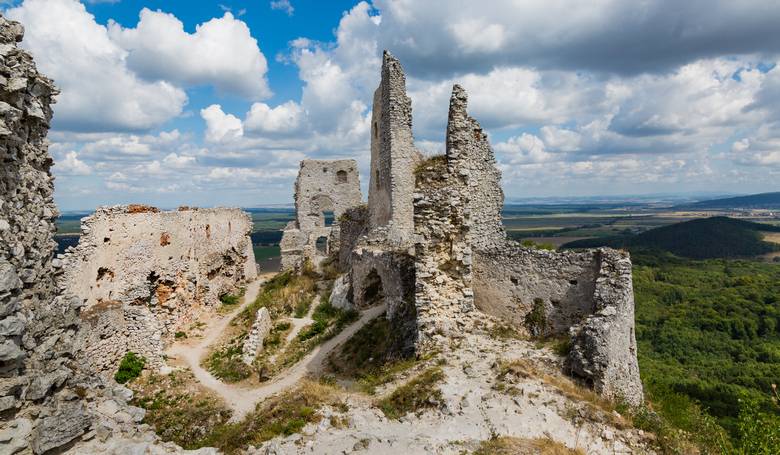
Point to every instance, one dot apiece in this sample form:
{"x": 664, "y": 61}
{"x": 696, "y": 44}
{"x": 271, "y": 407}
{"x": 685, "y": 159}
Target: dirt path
{"x": 242, "y": 399}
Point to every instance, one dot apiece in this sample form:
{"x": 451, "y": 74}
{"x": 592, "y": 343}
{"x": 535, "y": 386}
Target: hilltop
{"x": 715, "y": 237}
{"x": 753, "y": 201}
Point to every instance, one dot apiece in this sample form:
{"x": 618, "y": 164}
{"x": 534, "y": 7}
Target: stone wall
{"x": 322, "y": 186}
{"x": 393, "y": 154}
{"x": 464, "y": 259}
{"x": 143, "y": 275}
{"x": 37, "y": 327}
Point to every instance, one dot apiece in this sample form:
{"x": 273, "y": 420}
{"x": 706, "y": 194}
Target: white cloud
{"x": 221, "y": 53}
{"x": 283, "y": 5}
{"x": 284, "y": 118}
{"x": 178, "y": 161}
{"x": 72, "y": 165}
{"x": 221, "y": 127}
{"x": 99, "y": 92}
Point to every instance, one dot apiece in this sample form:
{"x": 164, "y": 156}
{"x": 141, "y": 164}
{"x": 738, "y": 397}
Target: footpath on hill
{"x": 242, "y": 399}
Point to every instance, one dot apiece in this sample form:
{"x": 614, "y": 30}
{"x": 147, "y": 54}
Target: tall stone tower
{"x": 393, "y": 155}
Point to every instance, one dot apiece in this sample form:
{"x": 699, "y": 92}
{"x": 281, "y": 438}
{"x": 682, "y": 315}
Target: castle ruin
{"x": 324, "y": 190}
{"x": 144, "y": 274}
{"x": 432, "y": 246}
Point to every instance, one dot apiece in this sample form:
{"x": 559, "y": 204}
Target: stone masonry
{"x": 431, "y": 245}
{"x": 49, "y": 403}
{"x": 465, "y": 260}
{"x": 142, "y": 275}
{"x": 321, "y": 187}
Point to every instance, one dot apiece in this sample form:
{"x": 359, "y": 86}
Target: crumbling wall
{"x": 37, "y": 327}
{"x": 386, "y": 275}
{"x": 322, "y": 186}
{"x": 463, "y": 258}
{"x": 162, "y": 269}
{"x": 353, "y": 224}
{"x": 393, "y": 154}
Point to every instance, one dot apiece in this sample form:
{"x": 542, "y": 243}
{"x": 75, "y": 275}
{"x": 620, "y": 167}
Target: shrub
{"x": 179, "y": 335}
{"x": 130, "y": 367}
{"x": 229, "y": 299}
{"x": 536, "y": 319}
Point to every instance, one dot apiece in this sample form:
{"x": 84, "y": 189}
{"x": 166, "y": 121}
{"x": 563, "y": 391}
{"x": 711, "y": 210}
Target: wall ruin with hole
{"x": 322, "y": 186}
{"x": 143, "y": 275}
{"x": 463, "y": 260}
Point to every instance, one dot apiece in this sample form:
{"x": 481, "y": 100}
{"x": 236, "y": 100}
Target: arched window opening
{"x": 341, "y": 176}
{"x": 322, "y": 245}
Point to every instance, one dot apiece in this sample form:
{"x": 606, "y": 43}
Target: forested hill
{"x": 716, "y": 237}
{"x": 753, "y": 201}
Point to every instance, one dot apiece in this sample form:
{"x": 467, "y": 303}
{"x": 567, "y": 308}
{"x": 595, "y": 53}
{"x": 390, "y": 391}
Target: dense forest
{"x": 709, "y": 330}
{"x": 715, "y": 237}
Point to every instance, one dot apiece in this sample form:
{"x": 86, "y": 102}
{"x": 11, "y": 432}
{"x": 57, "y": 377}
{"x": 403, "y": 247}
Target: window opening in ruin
{"x": 322, "y": 245}
{"x": 373, "y": 292}
{"x": 376, "y": 178}
{"x": 328, "y": 217}
{"x": 341, "y": 177}
{"x": 375, "y": 133}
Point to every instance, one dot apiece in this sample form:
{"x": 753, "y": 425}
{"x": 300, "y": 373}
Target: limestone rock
{"x": 254, "y": 341}
{"x": 340, "y": 296}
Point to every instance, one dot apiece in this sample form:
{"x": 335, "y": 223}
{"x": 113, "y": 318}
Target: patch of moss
{"x": 422, "y": 392}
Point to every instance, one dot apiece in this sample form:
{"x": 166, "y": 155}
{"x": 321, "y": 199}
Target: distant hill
{"x": 716, "y": 237}
{"x": 753, "y": 201}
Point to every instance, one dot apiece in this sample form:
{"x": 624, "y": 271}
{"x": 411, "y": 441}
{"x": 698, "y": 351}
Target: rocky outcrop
{"x": 143, "y": 274}
{"x": 254, "y": 340}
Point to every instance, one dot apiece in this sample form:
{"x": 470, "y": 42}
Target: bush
{"x": 179, "y": 335}
{"x": 229, "y": 299}
{"x": 130, "y": 367}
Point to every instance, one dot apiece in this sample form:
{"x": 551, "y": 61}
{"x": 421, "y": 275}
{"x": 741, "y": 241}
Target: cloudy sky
{"x": 215, "y": 103}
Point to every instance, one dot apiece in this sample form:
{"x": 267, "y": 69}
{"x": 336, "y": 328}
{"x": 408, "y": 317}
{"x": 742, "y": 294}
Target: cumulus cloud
{"x": 99, "y": 91}
{"x": 72, "y": 165}
{"x": 221, "y": 52}
{"x": 221, "y": 127}
{"x": 284, "y": 118}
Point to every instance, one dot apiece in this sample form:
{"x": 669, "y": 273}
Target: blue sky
{"x": 215, "y": 103}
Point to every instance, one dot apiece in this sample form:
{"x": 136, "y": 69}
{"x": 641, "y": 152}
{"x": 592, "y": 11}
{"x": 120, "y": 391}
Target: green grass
{"x": 225, "y": 362}
{"x": 277, "y": 416}
{"x": 420, "y": 393}
{"x": 129, "y": 368}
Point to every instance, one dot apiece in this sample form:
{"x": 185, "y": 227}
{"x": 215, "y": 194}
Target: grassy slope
{"x": 716, "y": 237}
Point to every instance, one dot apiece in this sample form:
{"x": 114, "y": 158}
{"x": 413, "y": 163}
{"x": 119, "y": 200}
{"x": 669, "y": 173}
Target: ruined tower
{"x": 393, "y": 154}
{"x": 324, "y": 190}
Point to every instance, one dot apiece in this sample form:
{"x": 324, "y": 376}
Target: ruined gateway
{"x": 431, "y": 244}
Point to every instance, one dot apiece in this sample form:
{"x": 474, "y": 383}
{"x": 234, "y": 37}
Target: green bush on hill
{"x": 130, "y": 367}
